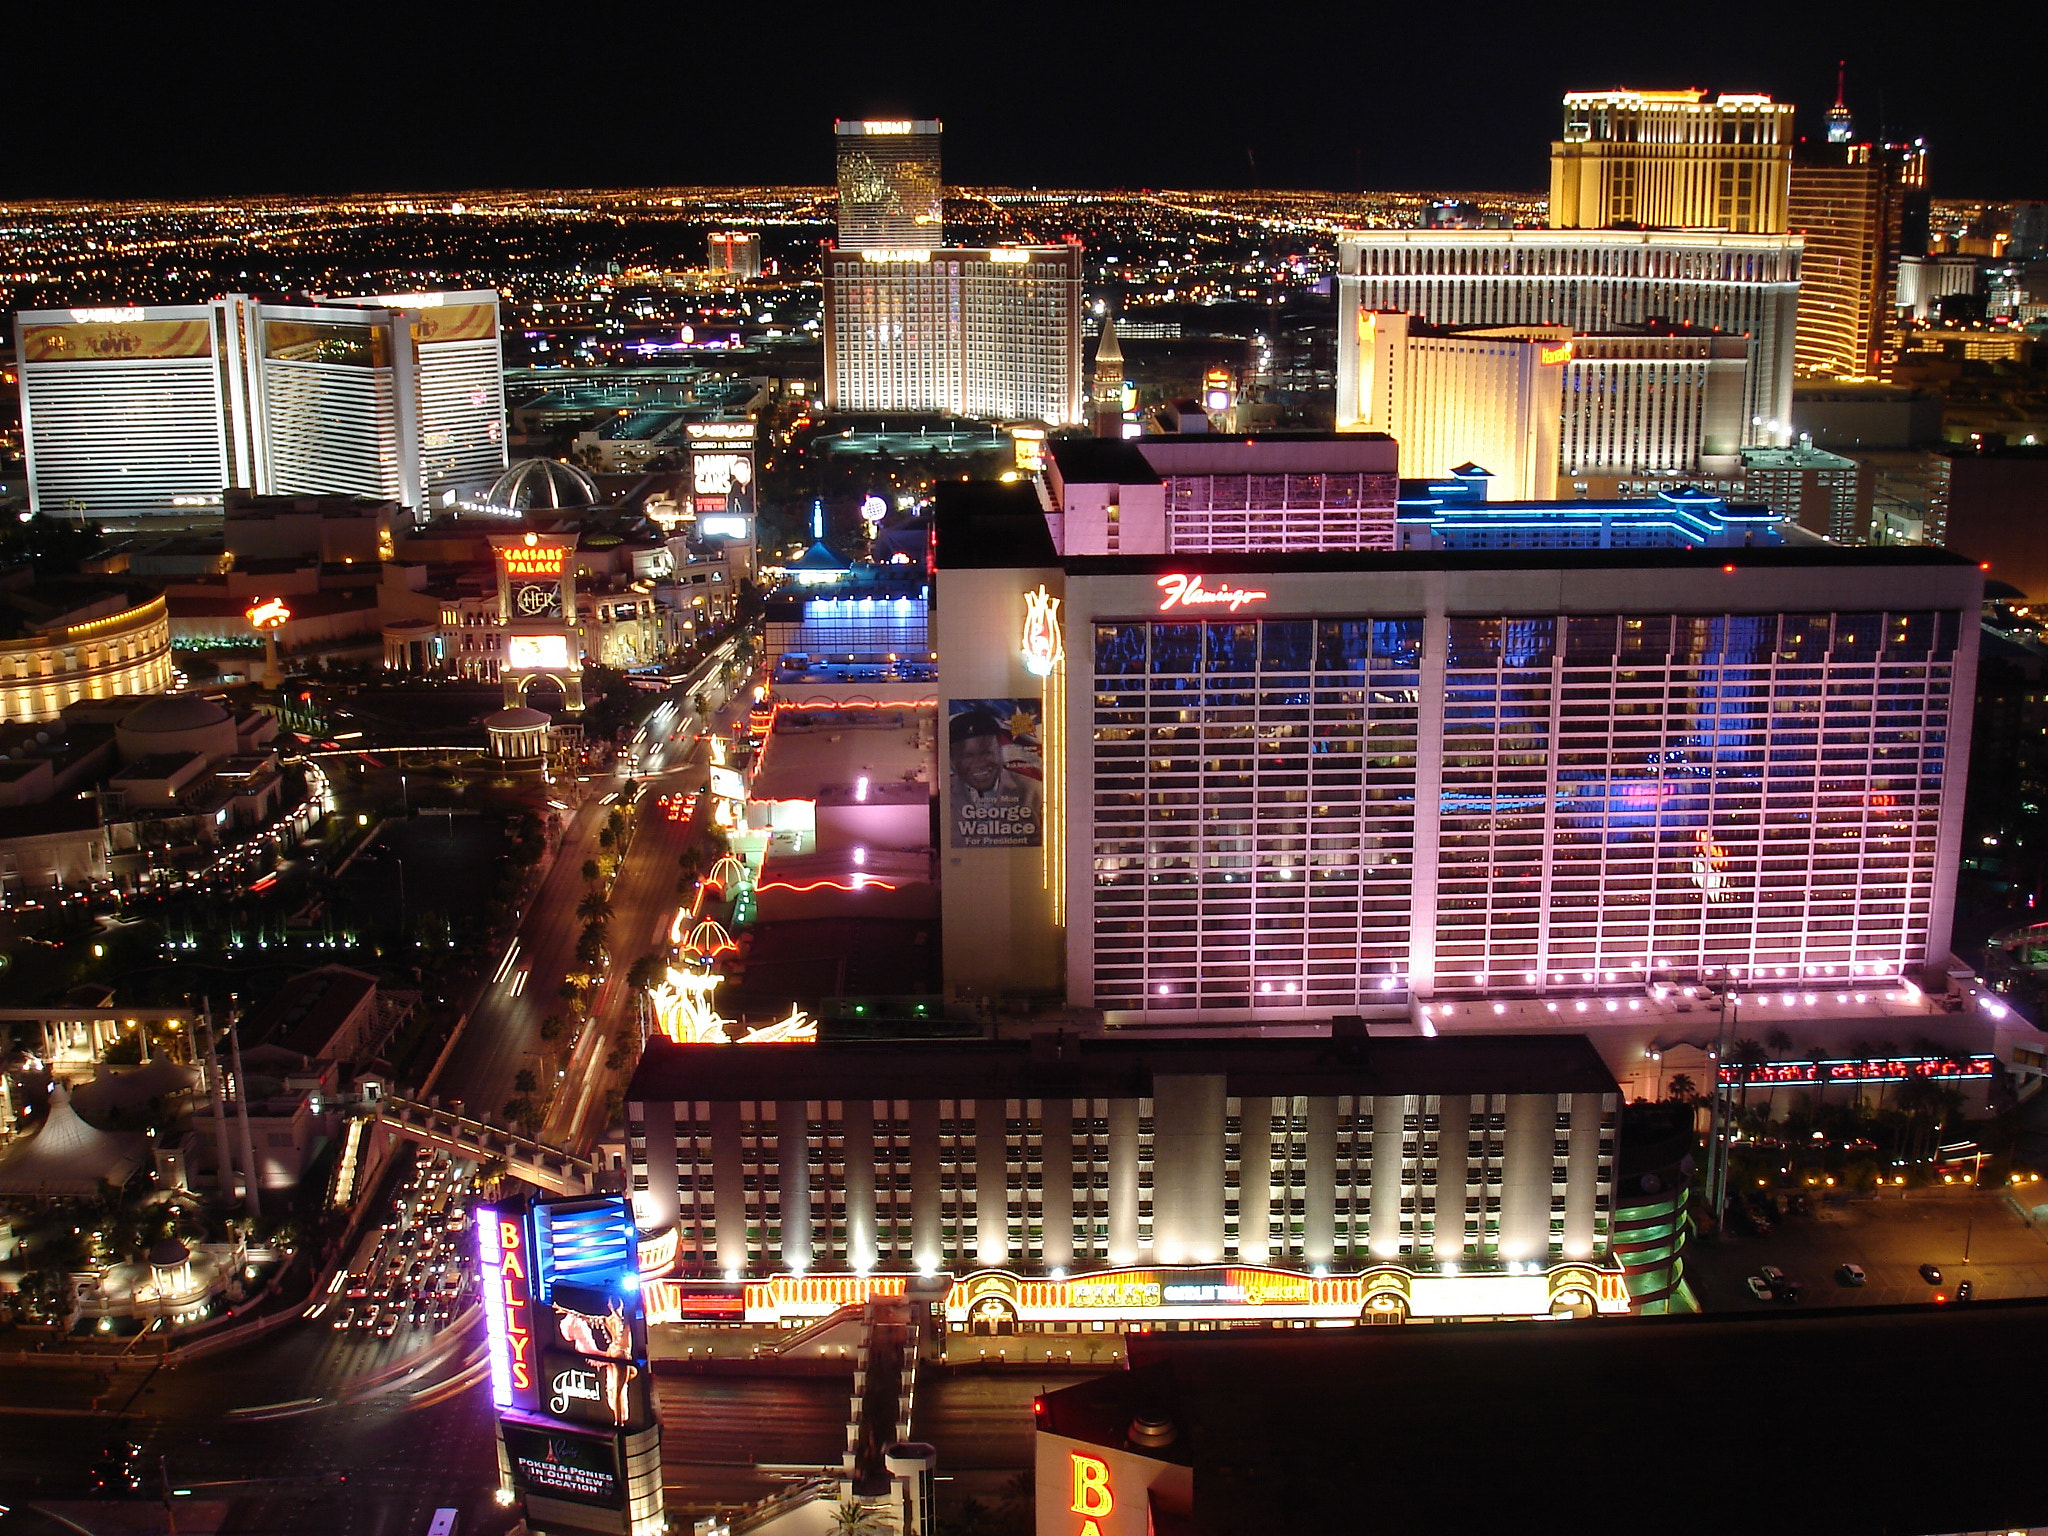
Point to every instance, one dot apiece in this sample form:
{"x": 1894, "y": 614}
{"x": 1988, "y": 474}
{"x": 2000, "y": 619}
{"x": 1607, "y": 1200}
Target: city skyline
{"x": 1319, "y": 104}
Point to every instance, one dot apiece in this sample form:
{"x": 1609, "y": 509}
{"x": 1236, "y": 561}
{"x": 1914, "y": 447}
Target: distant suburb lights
{"x": 1188, "y": 592}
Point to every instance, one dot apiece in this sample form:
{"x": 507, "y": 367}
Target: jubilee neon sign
{"x": 271, "y": 613}
{"x": 1188, "y": 592}
{"x": 1043, "y": 648}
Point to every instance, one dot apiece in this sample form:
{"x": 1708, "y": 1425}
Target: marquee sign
{"x": 1043, "y": 648}
{"x": 1188, "y": 592}
{"x": 1550, "y": 357}
{"x": 505, "y": 1263}
{"x": 1093, "y": 1499}
{"x": 534, "y": 559}
{"x": 1894, "y": 1069}
{"x": 268, "y": 613}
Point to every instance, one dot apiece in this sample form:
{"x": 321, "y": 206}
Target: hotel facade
{"x": 1484, "y": 1162}
{"x": 1288, "y": 786}
{"x": 1661, "y": 306}
{"x": 157, "y": 410}
{"x": 990, "y": 334}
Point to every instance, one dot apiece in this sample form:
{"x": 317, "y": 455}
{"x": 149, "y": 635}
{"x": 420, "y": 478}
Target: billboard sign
{"x": 505, "y": 1262}
{"x": 537, "y": 653}
{"x": 997, "y": 772}
{"x": 559, "y": 1464}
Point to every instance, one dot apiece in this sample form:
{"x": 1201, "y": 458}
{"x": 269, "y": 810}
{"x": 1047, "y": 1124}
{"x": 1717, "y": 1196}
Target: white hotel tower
{"x": 149, "y": 411}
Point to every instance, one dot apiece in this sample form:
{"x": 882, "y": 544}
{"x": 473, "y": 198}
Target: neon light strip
{"x": 492, "y": 1286}
{"x": 866, "y": 882}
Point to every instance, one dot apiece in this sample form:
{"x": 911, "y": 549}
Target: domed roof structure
{"x": 517, "y": 718}
{"x": 175, "y": 712}
{"x": 543, "y": 485}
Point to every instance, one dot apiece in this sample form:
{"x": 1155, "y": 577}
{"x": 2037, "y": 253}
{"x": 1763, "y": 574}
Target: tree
{"x": 1747, "y": 1054}
{"x": 850, "y": 1517}
{"x": 590, "y": 947}
{"x": 591, "y": 872}
{"x": 1681, "y": 1088}
{"x": 595, "y": 907}
{"x": 523, "y": 1081}
{"x": 646, "y": 972}
{"x": 551, "y": 1027}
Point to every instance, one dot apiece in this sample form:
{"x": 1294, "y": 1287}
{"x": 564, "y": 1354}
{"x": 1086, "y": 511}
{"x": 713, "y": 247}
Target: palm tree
{"x": 595, "y": 907}
{"x": 646, "y": 972}
{"x": 1747, "y": 1054}
{"x": 850, "y": 1517}
{"x": 591, "y": 872}
{"x": 1681, "y": 1088}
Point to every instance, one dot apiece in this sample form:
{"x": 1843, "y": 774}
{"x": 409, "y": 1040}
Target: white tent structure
{"x": 66, "y": 1158}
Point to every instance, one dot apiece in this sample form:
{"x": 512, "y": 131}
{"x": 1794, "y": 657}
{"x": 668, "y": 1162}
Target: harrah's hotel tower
{"x": 1285, "y": 785}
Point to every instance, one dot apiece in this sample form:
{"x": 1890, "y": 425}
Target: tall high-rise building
{"x": 1841, "y": 128}
{"x": 157, "y": 410}
{"x": 1860, "y": 208}
{"x": 891, "y": 197}
{"x": 735, "y": 251}
{"x": 1671, "y": 160}
{"x": 1600, "y": 283}
{"x": 986, "y": 333}
{"x": 1402, "y": 775}
{"x": 1106, "y": 397}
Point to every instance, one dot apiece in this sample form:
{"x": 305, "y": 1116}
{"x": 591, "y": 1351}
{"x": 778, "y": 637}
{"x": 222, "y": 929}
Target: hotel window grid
{"x": 1436, "y": 1168}
{"x": 1621, "y": 796}
{"x": 1219, "y": 513}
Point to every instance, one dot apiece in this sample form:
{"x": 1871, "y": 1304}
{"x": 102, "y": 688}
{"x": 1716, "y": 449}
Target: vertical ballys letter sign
{"x": 1092, "y": 1499}
{"x": 505, "y": 1263}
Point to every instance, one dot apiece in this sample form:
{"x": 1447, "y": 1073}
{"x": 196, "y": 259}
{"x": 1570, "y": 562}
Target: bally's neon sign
{"x": 1093, "y": 1499}
{"x": 1188, "y": 592}
{"x": 502, "y": 1260}
{"x": 1043, "y": 648}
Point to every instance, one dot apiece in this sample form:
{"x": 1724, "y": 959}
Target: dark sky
{"x": 323, "y": 98}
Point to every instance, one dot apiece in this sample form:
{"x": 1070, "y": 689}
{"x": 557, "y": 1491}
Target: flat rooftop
{"x": 1083, "y": 1067}
{"x": 1547, "y": 1427}
{"x": 811, "y": 749}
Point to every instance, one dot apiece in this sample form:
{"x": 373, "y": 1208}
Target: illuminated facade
{"x": 107, "y": 646}
{"x": 1656, "y": 402}
{"x": 1596, "y": 283}
{"x": 735, "y": 251}
{"x": 1297, "y": 785}
{"x": 1488, "y": 395}
{"x": 1059, "y": 1155}
{"x": 986, "y": 333}
{"x": 157, "y": 410}
{"x": 1849, "y": 203}
{"x": 891, "y": 197}
{"x": 538, "y": 616}
{"x": 1671, "y": 160}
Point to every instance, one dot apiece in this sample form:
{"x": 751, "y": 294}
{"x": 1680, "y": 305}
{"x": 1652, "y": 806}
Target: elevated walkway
{"x": 535, "y": 1162}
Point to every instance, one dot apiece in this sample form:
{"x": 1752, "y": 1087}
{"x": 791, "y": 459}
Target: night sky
{"x": 654, "y": 92}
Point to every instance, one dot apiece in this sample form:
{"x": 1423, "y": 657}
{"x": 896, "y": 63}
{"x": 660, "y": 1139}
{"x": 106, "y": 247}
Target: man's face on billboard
{"x": 978, "y": 760}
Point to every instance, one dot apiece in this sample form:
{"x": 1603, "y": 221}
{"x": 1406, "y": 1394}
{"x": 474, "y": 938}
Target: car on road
{"x": 1788, "y": 1290}
{"x": 1772, "y": 1276}
{"x": 1966, "y": 1290}
{"x": 1851, "y": 1274}
{"x": 344, "y": 1319}
{"x": 1759, "y": 1287}
{"x": 358, "y": 1286}
{"x": 365, "y": 1316}
{"x": 1930, "y": 1273}
{"x": 417, "y": 1314}
{"x": 387, "y": 1323}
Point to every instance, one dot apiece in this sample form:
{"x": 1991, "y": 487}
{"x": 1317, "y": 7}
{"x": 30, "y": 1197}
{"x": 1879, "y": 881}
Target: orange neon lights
{"x": 268, "y": 613}
{"x": 1550, "y": 357}
{"x": 1188, "y": 592}
{"x": 1093, "y": 1499}
{"x": 540, "y": 560}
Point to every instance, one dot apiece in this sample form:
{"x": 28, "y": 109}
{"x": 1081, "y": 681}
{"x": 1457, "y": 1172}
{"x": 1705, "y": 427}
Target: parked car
{"x": 1772, "y": 1276}
{"x": 1788, "y": 1290}
{"x": 1852, "y": 1274}
{"x": 1966, "y": 1290}
{"x": 1759, "y": 1287}
{"x": 1930, "y": 1273}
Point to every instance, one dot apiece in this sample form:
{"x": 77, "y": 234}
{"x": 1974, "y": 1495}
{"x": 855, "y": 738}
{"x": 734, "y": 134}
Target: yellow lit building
{"x": 1671, "y": 160}
{"x": 68, "y": 644}
{"x": 1487, "y": 395}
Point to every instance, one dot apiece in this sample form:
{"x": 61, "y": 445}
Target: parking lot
{"x": 1891, "y": 1237}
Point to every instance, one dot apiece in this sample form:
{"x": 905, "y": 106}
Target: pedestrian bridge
{"x": 535, "y": 1162}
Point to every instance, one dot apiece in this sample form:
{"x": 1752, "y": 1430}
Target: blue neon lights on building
{"x": 1455, "y": 514}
